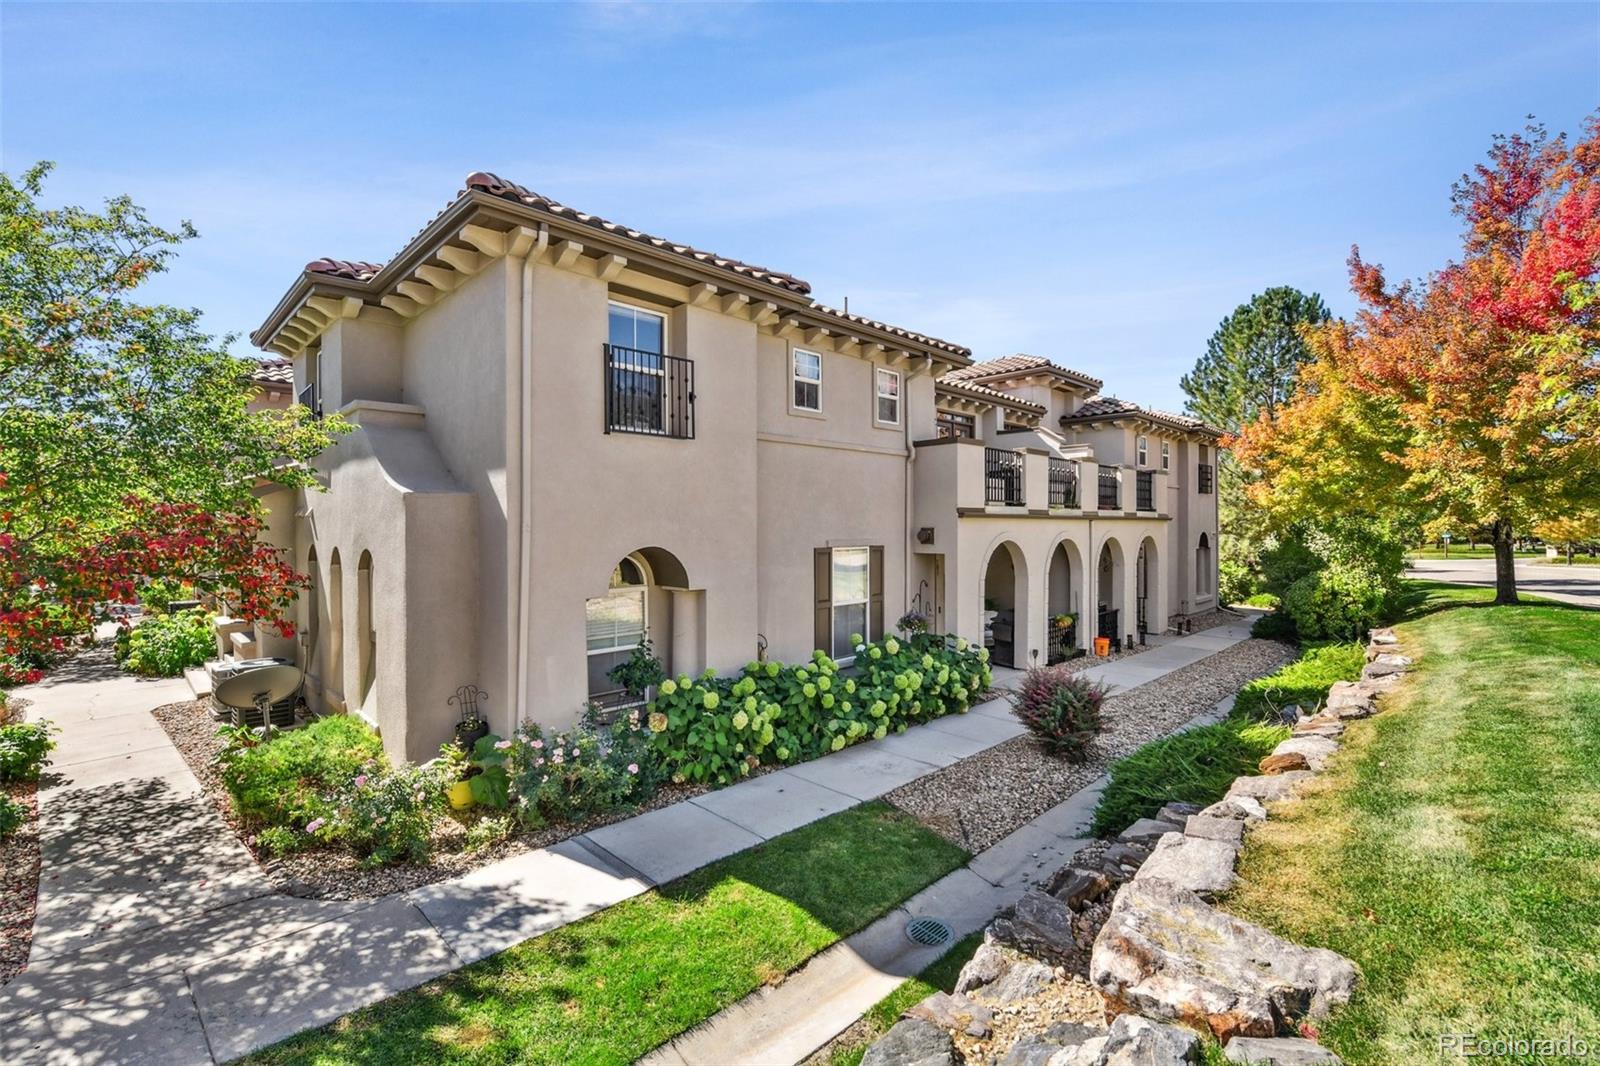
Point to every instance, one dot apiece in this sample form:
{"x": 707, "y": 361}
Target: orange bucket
{"x": 1102, "y": 646}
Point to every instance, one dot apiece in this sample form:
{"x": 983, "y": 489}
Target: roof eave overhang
{"x": 476, "y": 207}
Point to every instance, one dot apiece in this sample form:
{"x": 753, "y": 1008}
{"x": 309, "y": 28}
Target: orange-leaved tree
{"x": 1470, "y": 395}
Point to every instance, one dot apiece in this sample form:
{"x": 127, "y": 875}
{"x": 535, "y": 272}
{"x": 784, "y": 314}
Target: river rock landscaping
{"x": 977, "y": 801}
{"x": 1127, "y": 933}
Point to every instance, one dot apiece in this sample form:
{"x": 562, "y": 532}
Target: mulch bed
{"x": 328, "y": 873}
{"x": 19, "y": 884}
{"x": 977, "y": 801}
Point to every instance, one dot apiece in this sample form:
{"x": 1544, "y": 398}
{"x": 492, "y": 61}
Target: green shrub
{"x": 385, "y": 817}
{"x": 287, "y": 781}
{"x": 1336, "y": 603}
{"x": 12, "y": 815}
{"x": 24, "y": 749}
{"x": 166, "y": 645}
{"x": 716, "y": 730}
{"x": 1263, "y": 599}
{"x": 1304, "y": 682}
{"x": 280, "y": 840}
{"x": 1235, "y": 582}
{"x": 490, "y": 830}
{"x": 1062, "y": 710}
{"x": 1195, "y": 766}
{"x": 1274, "y": 626}
{"x": 156, "y": 596}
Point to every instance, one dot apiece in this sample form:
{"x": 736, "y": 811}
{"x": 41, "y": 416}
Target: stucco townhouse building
{"x": 571, "y": 435}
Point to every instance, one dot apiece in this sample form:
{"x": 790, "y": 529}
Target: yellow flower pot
{"x": 459, "y": 795}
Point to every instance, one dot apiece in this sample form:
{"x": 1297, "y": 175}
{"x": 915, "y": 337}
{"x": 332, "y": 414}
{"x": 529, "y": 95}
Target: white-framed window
{"x": 636, "y": 380}
{"x": 887, "y": 396}
{"x": 850, "y": 593}
{"x": 806, "y": 371}
{"x": 1143, "y": 447}
{"x": 617, "y": 621}
{"x": 1166, "y": 455}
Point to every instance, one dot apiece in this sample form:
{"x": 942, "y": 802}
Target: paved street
{"x": 1574, "y": 584}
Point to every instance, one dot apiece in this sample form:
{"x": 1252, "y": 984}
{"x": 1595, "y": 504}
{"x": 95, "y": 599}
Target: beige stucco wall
{"x": 390, "y": 497}
{"x": 598, "y": 496}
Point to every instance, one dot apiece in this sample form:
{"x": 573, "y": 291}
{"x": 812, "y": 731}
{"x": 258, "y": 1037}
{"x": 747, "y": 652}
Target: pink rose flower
{"x": 502, "y": 745}
{"x": 315, "y": 824}
{"x": 538, "y": 744}
{"x": 633, "y": 768}
{"x": 361, "y": 780}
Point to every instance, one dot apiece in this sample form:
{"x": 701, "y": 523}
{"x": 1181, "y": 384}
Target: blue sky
{"x": 1099, "y": 184}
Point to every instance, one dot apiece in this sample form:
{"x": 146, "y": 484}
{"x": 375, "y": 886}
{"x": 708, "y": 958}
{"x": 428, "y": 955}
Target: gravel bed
{"x": 19, "y": 884}
{"x": 328, "y": 873}
{"x": 977, "y": 801}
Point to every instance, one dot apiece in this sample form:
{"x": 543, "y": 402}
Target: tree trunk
{"x": 1505, "y": 571}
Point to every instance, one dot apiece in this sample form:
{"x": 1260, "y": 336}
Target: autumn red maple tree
{"x": 1470, "y": 395}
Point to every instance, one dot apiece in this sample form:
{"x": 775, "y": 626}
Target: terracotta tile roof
{"x": 872, "y": 323}
{"x": 510, "y": 190}
{"x": 353, "y": 269}
{"x": 1100, "y": 408}
{"x": 1020, "y": 365}
{"x": 273, "y": 372}
{"x": 951, "y": 383}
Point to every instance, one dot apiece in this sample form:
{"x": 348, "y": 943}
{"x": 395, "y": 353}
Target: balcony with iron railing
{"x": 648, "y": 392}
{"x": 1110, "y": 489}
{"x": 1145, "y": 490}
{"x": 1063, "y": 484}
{"x": 1003, "y": 478}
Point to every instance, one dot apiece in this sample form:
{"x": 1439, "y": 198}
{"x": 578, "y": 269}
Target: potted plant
{"x": 639, "y": 672}
{"x": 489, "y": 782}
{"x": 471, "y": 729}
{"x": 1065, "y": 621}
{"x": 457, "y": 770}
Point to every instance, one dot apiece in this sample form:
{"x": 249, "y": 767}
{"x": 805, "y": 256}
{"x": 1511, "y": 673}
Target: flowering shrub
{"x": 24, "y": 749}
{"x": 166, "y": 645}
{"x": 591, "y": 768}
{"x": 716, "y": 730}
{"x": 1062, "y": 710}
{"x": 387, "y": 817}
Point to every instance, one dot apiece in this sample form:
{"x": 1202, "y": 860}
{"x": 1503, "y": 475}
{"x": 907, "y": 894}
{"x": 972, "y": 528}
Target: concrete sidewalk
{"x": 159, "y": 940}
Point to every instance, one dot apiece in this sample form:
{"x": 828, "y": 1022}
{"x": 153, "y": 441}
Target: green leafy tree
{"x": 1249, "y": 369}
{"x": 127, "y": 447}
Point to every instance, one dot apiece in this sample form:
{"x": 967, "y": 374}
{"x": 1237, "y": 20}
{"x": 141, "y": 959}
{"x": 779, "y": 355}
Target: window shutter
{"x": 822, "y": 580}
{"x": 875, "y": 599}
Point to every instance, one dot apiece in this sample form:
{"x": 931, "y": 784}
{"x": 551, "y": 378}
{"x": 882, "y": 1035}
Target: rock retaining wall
{"x": 1164, "y": 961}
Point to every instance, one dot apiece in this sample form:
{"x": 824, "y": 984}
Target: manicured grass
{"x": 1453, "y": 849}
{"x": 939, "y": 976}
{"x": 1198, "y": 765}
{"x": 612, "y": 987}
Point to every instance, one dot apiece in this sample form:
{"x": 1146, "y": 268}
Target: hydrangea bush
{"x": 715, "y": 730}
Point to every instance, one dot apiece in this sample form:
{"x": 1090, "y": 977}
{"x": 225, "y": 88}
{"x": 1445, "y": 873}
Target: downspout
{"x": 911, "y": 458}
{"x": 518, "y": 475}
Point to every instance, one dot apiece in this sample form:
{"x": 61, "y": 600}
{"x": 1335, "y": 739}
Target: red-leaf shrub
{"x": 1061, "y": 708}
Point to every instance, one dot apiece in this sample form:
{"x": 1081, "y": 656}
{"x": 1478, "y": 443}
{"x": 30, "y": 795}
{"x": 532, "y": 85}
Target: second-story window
{"x": 888, "y": 396}
{"x": 1144, "y": 451}
{"x": 1166, "y": 455}
{"x": 807, "y": 372}
{"x": 952, "y": 424}
{"x": 635, "y": 370}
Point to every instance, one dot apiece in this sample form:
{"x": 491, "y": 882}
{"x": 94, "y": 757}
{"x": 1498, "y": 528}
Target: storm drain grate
{"x": 928, "y": 932}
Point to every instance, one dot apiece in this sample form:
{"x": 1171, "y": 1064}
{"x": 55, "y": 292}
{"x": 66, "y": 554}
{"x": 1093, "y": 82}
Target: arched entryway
{"x": 1109, "y": 577}
{"x": 1005, "y": 606}
{"x": 1147, "y": 590}
{"x": 366, "y": 639}
{"x": 311, "y": 626}
{"x": 1204, "y": 568}
{"x": 646, "y": 603}
{"x": 333, "y": 676}
{"x": 1064, "y": 595}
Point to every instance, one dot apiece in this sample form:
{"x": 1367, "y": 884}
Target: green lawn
{"x": 612, "y": 987}
{"x": 1453, "y": 851}
{"x": 1461, "y": 551}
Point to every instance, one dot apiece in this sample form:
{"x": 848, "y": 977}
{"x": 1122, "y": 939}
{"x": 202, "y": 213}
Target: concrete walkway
{"x": 159, "y": 940}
